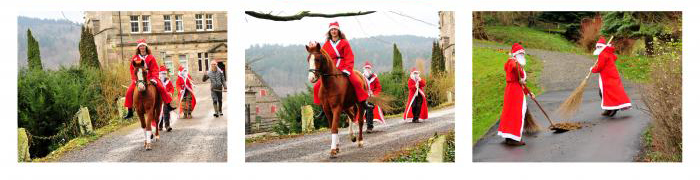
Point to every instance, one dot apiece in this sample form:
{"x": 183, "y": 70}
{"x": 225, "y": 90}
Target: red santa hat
{"x": 601, "y": 42}
{"x": 334, "y": 25}
{"x": 141, "y": 42}
{"x": 368, "y": 65}
{"x": 181, "y": 68}
{"x": 516, "y": 49}
{"x": 163, "y": 68}
{"x": 414, "y": 69}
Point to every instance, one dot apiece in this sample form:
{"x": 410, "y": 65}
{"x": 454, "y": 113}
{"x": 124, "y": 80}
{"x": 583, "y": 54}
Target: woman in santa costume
{"x": 611, "y": 91}
{"x": 375, "y": 88}
{"x": 514, "y": 110}
{"x": 417, "y": 104}
{"x": 143, "y": 53}
{"x": 184, "y": 86}
{"x": 163, "y": 76}
{"x": 338, "y": 48}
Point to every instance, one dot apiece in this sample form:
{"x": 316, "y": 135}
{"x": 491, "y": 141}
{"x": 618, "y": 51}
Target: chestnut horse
{"x": 147, "y": 103}
{"x": 336, "y": 93}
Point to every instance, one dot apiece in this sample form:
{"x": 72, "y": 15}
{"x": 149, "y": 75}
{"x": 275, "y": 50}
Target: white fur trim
{"x": 333, "y": 26}
{"x": 508, "y": 135}
{"x": 410, "y": 105}
{"x": 337, "y": 53}
{"x": 141, "y": 44}
{"x": 621, "y": 106}
{"x": 517, "y": 52}
{"x": 372, "y": 79}
{"x": 346, "y": 72}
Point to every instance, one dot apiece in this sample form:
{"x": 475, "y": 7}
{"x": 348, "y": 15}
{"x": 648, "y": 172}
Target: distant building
{"x": 447, "y": 38}
{"x": 188, "y": 38}
{"x": 263, "y": 106}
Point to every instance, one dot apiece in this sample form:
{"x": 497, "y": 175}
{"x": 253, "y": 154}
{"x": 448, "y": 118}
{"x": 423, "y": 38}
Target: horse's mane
{"x": 325, "y": 55}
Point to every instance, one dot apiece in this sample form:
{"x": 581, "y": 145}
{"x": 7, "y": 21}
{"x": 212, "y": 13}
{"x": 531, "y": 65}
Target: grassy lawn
{"x": 531, "y": 38}
{"x": 634, "y": 68}
{"x": 489, "y": 83}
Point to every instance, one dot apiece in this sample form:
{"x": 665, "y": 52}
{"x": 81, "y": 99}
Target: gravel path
{"x": 601, "y": 139}
{"x": 200, "y": 139}
{"x": 393, "y": 136}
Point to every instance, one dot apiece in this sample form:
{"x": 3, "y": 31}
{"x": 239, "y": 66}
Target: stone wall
{"x": 447, "y": 38}
{"x": 266, "y": 104}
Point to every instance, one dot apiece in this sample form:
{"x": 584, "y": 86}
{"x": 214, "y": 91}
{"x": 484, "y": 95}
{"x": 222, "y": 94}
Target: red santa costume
{"x": 344, "y": 60}
{"x": 166, "y": 81}
{"x": 614, "y": 96}
{"x": 416, "y": 88}
{"x": 514, "y": 103}
{"x": 375, "y": 89}
{"x": 184, "y": 83}
{"x": 152, "y": 68}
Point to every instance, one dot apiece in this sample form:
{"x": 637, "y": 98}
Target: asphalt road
{"x": 602, "y": 139}
{"x": 393, "y": 136}
{"x": 200, "y": 139}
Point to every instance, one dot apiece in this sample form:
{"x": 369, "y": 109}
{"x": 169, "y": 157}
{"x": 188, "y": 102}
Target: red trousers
{"x": 130, "y": 94}
{"x": 355, "y": 81}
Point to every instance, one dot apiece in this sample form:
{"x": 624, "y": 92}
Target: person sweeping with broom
{"x": 515, "y": 114}
{"x": 612, "y": 93}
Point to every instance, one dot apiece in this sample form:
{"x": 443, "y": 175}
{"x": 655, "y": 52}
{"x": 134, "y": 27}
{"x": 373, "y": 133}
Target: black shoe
{"x": 129, "y": 114}
{"x": 216, "y": 115}
{"x": 415, "y": 121}
{"x": 169, "y": 129}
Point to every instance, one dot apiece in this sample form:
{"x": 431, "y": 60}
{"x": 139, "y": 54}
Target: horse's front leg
{"x": 335, "y": 149}
{"x": 359, "y": 116}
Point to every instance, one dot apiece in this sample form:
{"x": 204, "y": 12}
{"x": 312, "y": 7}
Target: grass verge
{"x": 419, "y": 152}
{"x": 531, "y": 38}
{"x": 82, "y": 141}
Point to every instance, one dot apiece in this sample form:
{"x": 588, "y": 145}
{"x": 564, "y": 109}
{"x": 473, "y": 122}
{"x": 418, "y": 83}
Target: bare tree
{"x": 303, "y": 14}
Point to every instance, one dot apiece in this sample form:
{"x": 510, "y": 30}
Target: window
{"x": 146, "y": 21}
{"x": 210, "y": 22}
{"x": 273, "y": 109}
{"x": 203, "y": 65}
{"x": 198, "y": 22}
{"x": 178, "y": 24}
{"x": 206, "y": 61}
{"x": 134, "y": 23}
{"x": 199, "y": 61}
{"x": 167, "y": 23}
{"x": 169, "y": 64}
{"x": 263, "y": 93}
{"x": 183, "y": 61}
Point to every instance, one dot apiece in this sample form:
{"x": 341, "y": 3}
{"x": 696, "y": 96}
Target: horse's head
{"x": 141, "y": 73}
{"x": 315, "y": 60}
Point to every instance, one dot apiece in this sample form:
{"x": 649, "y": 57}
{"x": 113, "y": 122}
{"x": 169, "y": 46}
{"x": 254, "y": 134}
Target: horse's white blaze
{"x": 312, "y": 65}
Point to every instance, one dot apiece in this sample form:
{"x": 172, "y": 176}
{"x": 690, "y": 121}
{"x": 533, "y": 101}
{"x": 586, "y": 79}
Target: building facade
{"x": 447, "y": 38}
{"x": 189, "y": 38}
{"x": 262, "y": 105}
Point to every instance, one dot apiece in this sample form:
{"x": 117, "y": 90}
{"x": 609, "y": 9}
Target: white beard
{"x": 520, "y": 58}
{"x": 598, "y": 51}
{"x": 367, "y": 73}
{"x": 162, "y": 77}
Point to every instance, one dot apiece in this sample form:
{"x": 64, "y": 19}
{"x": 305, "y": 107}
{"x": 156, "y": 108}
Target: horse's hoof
{"x": 360, "y": 144}
{"x": 148, "y": 146}
{"x": 353, "y": 139}
{"x": 334, "y": 153}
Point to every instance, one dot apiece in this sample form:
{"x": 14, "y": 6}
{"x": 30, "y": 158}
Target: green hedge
{"x": 47, "y": 101}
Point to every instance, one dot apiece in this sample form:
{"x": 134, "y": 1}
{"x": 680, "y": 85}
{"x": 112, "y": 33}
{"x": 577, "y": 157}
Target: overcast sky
{"x": 75, "y": 16}
{"x": 313, "y": 29}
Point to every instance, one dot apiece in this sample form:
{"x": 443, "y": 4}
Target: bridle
{"x": 318, "y": 72}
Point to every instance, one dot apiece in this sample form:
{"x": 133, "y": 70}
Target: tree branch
{"x": 303, "y": 14}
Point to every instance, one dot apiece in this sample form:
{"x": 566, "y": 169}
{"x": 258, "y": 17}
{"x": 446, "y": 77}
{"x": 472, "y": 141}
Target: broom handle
{"x": 524, "y": 87}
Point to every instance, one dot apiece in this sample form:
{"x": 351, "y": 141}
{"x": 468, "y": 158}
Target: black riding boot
{"x": 370, "y": 119}
{"x": 129, "y": 113}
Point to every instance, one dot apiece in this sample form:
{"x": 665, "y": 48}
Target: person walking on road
{"x": 417, "y": 104}
{"x": 218, "y": 85}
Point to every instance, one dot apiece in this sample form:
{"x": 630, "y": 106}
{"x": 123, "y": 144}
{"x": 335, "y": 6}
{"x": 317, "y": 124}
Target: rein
{"x": 319, "y": 72}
